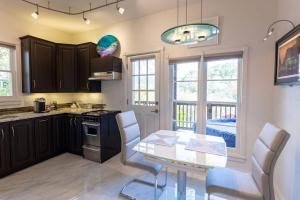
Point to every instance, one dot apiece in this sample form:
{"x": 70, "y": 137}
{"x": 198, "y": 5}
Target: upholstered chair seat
{"x": 232, "y": 183}
{"x": 257, "y": 184}
{"x": 137, "y": 160}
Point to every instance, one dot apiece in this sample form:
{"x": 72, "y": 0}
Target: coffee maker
{"x": 39, "y": 105}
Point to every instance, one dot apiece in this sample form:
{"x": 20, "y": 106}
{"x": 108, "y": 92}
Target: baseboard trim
{"x": 278, "y": 193}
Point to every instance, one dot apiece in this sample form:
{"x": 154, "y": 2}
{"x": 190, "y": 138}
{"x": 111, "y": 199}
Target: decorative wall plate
{"x": 107, "y": 45}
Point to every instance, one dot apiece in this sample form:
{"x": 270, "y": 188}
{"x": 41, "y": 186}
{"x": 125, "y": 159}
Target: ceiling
{"x": 99, "y": 18}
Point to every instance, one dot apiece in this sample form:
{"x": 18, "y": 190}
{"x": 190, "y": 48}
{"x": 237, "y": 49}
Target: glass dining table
{"x": 184, "y": 152}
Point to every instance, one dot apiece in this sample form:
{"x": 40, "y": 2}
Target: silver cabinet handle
{"x": 2, "y": 132}
{"x": 13, "y": 131}
{"x": 75, "y": 121}
{"x": 60, "y": 84}
{"x": 33, "y": 83}
{"x": 70, "y": 121}
{"x": 88, "y": 85}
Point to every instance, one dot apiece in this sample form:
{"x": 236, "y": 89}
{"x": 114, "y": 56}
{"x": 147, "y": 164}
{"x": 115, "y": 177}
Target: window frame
{"x": 14, "y": 99}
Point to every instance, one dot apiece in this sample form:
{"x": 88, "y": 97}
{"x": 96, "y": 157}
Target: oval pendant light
{"x": 188, "y": 34}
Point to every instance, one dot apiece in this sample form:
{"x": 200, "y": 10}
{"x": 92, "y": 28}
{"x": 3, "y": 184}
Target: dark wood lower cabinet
{"x": 59, "y": 134}
{"x": 26, "y": 142}
{"x": 43, "y": 138}
{"x": 75, "y": 138}
{"x": 22, "y": 144}
{"x": 4, "y": 149}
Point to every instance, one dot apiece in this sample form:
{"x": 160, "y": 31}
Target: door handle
{"x": 155, "y": 111}
{"x": 33, "y": 83}
{"x": 13, "y": 131}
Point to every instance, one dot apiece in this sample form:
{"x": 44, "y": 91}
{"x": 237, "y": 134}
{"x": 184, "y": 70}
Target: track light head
{"x": 121, "y": 10}
{"x": 86, "y": 20}
{"x": 35, "y": 15}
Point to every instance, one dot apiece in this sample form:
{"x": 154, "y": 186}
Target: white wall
{"x": 11, "y": 29}
{"x": 286, "y": 115}
{"x": 243, "y": 23}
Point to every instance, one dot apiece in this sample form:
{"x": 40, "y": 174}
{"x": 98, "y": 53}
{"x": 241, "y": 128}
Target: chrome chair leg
{"x": 155, "y": 188}
{"x": 155, "y": 185}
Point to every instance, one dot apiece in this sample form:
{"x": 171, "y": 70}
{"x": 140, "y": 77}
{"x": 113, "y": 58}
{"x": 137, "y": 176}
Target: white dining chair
{"x": 130, "y": 136}
{"x": 257, "y": 184}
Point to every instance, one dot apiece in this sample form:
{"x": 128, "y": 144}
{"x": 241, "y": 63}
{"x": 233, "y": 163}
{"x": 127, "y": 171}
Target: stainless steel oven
{"x": 91, "y": 132}
{"x": 91, "y": 139}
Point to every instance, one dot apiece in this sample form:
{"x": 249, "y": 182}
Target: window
{"x": 7, "y": 62}
{"x": 185, "y": 95}
{"x": 209, "y": 104}
{"x": 222, "y": 83}
{"x": 143, "y": 82}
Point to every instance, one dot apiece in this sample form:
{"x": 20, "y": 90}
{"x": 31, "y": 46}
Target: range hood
{"x": 106, "y": 68}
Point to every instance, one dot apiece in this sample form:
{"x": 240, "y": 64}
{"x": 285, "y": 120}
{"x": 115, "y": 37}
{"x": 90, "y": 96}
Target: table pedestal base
{"x": 181, "y": 185}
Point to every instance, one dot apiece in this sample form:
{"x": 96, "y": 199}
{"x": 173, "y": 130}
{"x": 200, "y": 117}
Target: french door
{"x": 143, "y": 91}
{"x": 206, "y": 96}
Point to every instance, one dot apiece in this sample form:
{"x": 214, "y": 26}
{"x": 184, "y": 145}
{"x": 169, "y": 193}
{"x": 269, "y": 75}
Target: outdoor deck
{"x": 220, "y": 119}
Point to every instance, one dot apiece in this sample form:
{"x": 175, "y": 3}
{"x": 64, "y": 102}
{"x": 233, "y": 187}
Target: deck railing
{"x": 185, "y": 113}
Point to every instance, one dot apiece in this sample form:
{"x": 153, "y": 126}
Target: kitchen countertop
{"x": 29, "y": 115}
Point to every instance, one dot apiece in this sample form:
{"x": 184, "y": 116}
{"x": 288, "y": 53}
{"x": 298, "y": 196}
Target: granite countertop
{"x": 29, "y": 115}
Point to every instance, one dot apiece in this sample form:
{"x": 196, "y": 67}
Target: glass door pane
{"x": 185, "y": 95}
{"x": 222, "y": 98}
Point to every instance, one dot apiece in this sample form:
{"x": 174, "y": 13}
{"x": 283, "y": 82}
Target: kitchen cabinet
{"x": 75, "y": 137}
{"x": 59, "y": 134}
{"x": 22, "y": 144}
{"x": 4, "y": 149}
{"x": 38, "y": 65}
{"x": 51, "y": 67}
{"x": 43, "y": 138}
{"x": 85, "y": 52}
{"x": 66, "y": 68}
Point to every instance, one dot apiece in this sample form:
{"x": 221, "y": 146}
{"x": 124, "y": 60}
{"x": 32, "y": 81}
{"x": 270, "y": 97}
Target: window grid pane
{"x": 143, "y": 82}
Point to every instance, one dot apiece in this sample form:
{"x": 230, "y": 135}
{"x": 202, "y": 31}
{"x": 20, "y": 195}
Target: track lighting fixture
{"x": 86, "y": 20}
{"x": 35, "y": 14}
{"x": 120, "y": 9}
{"x": 271, "y": 28}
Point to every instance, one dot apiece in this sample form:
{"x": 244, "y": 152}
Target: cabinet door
{"x": 22, "y": 144}
{"x": 43, "y": 66}
{"x": 4, "y": 150}
{"x": 59, "y": 134}
{"x": 66, "y": 68}
{"x": 83, "y": 67}
{"x": 43, "y": 136}
{"x": 78, "y": 136}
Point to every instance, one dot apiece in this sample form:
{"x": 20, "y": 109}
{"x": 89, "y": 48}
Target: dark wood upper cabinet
{"x": 4, "y": 149}
{"x": 66, "y": 68}
{"x": 52, "y": 67}
{"x": 38, "y": 65}
{"x": 22, "y": 144}
{"x": 43, "y": 138}
{"x": 85, "y": 52}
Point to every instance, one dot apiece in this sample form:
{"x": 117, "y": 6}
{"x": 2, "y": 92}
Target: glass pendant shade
{"x": 190, "y": 34}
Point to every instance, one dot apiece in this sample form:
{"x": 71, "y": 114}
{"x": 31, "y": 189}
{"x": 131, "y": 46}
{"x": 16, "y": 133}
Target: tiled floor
{"x": 70, "y": 177}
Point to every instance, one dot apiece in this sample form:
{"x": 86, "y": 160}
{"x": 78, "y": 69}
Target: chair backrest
{"x": 267, "y": 149}
{"x": 130, "y": 133}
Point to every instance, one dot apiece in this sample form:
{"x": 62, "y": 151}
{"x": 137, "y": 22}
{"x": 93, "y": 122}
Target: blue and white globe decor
{"x": 107, "y": 45}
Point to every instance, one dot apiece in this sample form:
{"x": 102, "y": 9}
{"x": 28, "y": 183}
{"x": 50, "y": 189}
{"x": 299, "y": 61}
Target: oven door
{"x": 91, "y": 132}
